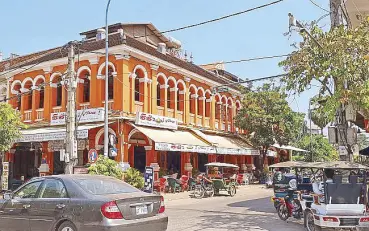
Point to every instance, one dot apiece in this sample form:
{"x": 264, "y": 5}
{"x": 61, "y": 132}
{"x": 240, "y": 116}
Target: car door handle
{"x": 60, "y": 206}
{"x": 26, "y": 206}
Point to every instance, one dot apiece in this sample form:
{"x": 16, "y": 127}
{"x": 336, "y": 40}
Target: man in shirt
{"x": 318, "y": 188}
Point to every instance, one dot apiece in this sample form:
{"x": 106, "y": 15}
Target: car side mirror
{"x": 7, "y": 196}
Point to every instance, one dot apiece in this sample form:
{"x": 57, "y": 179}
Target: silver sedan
{"x": 81, "y": 203}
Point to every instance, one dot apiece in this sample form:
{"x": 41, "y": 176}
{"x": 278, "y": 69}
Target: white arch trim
{"x": 83, "y": 68}
{"x": 180, "y": 81}
{"x": 100, "y": 133}
{"x": 54, "y": 75}
{"x": 28, "y": 79}
{"x": 238, "y": 104}
{"x": 101, "y": 67}
{"x": 15, "y": 82}
{"x": 194, "y": 87}
{"x": 142, "y": 68}
{"x": 134, "y": 131}
{"x": 162, "y": 75}
{"x": 217, "y": 95}
{"x": 224, "y": 97}
{"x": 208, "y": 91}
{"x": 172, "y": 79}
{"x": 230, "y": 98}
{"x": 37, "y": 79}
{"x": 202, "y": 91}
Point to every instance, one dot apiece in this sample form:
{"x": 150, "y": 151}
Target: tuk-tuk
{"x": 343, "y": 204}
{"x": 284, "y": 180}
{"x": 223, "y": 176}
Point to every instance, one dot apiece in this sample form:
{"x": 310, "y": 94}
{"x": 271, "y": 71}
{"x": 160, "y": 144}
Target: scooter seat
{"x": 307, "y": 197}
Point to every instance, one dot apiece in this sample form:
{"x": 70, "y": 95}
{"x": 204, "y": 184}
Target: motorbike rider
{"x": 318, "y": 187}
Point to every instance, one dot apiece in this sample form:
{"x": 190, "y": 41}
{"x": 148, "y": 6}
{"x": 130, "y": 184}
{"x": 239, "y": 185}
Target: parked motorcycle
{"x": 289, "y": 207}
{"x": 203, "y": 189}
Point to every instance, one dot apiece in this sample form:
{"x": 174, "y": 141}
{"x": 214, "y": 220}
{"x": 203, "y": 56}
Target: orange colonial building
{"x": 147, "y": 74}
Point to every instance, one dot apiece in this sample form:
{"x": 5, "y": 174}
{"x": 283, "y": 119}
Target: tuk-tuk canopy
{"x": 221, "y": 165}
{"x": 322, "y": 165}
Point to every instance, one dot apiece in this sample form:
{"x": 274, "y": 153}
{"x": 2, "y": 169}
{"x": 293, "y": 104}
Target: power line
{"x": 250, "y": 59}
{"x": 314, "y": 3}
{"x": 216, "y": 19}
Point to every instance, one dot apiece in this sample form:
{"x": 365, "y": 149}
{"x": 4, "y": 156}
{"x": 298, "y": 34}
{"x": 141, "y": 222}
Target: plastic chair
{"x": 173, "y": 185}
{"x": 161, "y": 185}
{"x": 184, "y": 182}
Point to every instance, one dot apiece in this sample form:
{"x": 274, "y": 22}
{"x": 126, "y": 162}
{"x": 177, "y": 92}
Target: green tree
{"x": 362, "y": 141}
{"x": 321, "y": 149}
{"x": 10, "y": 125}
{"x": 340, "y": 67}
{"x": 107, "y": 167}
{"x": 268, "y": 118}
{"x": 134, "y": 177}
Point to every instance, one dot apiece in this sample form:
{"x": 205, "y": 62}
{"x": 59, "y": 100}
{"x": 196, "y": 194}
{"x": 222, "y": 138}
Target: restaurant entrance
{"x": 174, "y": 162}
{"x": 139, "y": 158}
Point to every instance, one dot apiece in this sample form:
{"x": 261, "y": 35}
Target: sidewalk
{"x": 241, "y": 190}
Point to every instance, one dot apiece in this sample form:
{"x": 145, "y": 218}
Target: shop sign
{"x": 80, "y": 170}
{"x": 92, "y": 156}
{"x": 235, "y": 151}
{"x": 184, "y": 148}
{"x": 5, "y": 176}
{"x": 149, "y": 180}
{"x": 271, "y": 153}
{"x": 151, "y": 120}
{"x": 40, "y": 137}
{"x": 83, "y": 116}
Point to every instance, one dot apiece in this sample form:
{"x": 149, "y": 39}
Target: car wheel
{"x": 67, "y": 226}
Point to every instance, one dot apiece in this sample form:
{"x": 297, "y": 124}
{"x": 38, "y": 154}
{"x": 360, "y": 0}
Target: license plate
{"x": 141, "y": 210}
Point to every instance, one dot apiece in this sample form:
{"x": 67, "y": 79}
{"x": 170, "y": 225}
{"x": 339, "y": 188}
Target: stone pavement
{"x": 250, "y": 209}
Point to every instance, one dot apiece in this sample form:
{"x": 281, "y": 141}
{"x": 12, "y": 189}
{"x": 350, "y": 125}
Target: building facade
{"x": 148, "y": 80}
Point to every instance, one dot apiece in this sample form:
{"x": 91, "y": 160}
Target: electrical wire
{"x": 213, "y": 20}
{"x": 314, "y": 3}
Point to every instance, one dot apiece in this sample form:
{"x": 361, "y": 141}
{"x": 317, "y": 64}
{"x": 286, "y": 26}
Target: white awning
{"x": 175, "y": 140}
{"x": 54, "y": 133}
{"x": 289, "y": 148}
{"x": 228, "y": 145}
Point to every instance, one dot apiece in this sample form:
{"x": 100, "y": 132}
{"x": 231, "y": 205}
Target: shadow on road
{"x": 262, "y": 205}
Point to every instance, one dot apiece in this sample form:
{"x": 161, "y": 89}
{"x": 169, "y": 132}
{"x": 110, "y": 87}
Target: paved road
{"x": 249, "y": 210}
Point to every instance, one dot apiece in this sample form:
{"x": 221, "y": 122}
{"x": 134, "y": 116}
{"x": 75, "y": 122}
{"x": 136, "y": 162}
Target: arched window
{"x": 39, "y": 91}
{"x": 192, "y": 98}
{"x": 207, "y": 104}
{"x": 162, "y": 82}
{"x": 169, "y": 100}
{"x": 110, "y": 84}
{"x": 59, "y": 92}
{"x": 137, "y": 89}
{"x": 181, "y": 95}
{"x": 218, "y": 106}
{"x": 86, "y": 90}
{"x": 200, "y": 101}
{"x": 178, "y": 101}
{"x": 158, "y": 95}
{"x": 41, "y": 97}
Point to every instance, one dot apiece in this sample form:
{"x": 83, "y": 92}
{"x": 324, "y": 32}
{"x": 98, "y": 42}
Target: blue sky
{"x": 29, "y": 26}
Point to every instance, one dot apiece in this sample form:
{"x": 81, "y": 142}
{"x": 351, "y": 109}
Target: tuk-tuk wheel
{"x": 232, "y": 190}
{"x": 309, "y": 222}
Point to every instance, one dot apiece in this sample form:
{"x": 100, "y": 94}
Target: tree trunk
{"x": 336, "y": 13}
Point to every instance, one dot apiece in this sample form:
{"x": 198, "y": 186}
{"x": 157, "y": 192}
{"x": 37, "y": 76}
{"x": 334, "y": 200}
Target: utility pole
{"x": 336, "y": 13}
{"x": 71, "y": 138}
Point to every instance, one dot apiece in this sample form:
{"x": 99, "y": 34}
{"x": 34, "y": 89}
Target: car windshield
{"x": 103, "y": 186}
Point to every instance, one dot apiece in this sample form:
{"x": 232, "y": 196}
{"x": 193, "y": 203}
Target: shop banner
{"x": 235, "y": 151}
{"x": 151, "y": 120}
{"x": 83, "y": 116}
{"x": 184, "y": 148}
{"x": 40, "y": 137}
{"x": 5, "y": 176}
{"x": 149, "y": 180}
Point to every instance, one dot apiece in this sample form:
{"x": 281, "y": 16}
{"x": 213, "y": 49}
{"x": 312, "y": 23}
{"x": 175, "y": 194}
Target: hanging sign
{"x": 5, "y": 176}
{"x": 184, "y": 148}
{"x": 83, "y": 116}
{"x": 151, "y": 120}
{"x": 149, "y": 180}
{"x": 48, "y": 136}
{"x": 92, "y": 156}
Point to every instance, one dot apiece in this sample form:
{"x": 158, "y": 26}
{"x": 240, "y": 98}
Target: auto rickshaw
{"x": 223, "y": 176}
{"x": 343, "y": 204}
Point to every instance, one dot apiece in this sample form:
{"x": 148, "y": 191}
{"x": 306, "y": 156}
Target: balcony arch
{"x": 208, "y": 99}
{"x": 111, "y": 79}
{"x": 39, "y": 84}
{"x": 84, "y": 82}
{"x": 171, "y": 93}
{"x": 15, "y": 90}
{"x": 230, "y": 114}
{"x": 200, "y": 101}
{"x": 99, "y": 138}
{"x": 27, "y": 90}
{"x": 181, "y": 92}
{"x": 161, "y": 89}
{"x": 139, "y": 78}
{"x": 57, "y": 89}
{"x": 101, "y": 70}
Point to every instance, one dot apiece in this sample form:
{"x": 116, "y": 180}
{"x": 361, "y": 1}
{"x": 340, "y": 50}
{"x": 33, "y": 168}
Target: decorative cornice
{"x": 47, "y": 70}
{"x": 100, "y": 76}
{"x": 164, "y": 86}
{"x": 187, "y": 79}
{"x": 181, "y": 92}
{"x": 24, "y": 90}
{"x": 124, "y": 56}
{"x": 94, "y": 60}
{"x": 201, "y": 98}
{"x": 209, "y": 100}
{"x": 154, "y": 67}
{"x": 194, "y": 96}
{"x": 133, "y": 75}
{"x": 173, "y": 89}
{"x": 148, "y": 148}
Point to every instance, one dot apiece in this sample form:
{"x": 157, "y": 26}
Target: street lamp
{"x": 106, "y": 119}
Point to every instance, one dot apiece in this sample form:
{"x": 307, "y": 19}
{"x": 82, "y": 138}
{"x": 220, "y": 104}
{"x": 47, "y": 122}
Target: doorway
{"x": 59, "y": 166}
{"x": 139, "y": 158}
{"x": 174, "y": 162}
{"x": 203, "y": 159}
